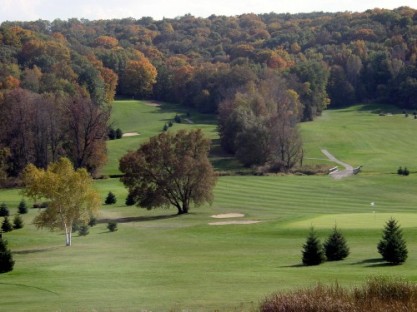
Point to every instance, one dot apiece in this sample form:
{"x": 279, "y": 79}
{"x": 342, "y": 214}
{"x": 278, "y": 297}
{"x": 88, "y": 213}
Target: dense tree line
{"x": 320, "y": 58}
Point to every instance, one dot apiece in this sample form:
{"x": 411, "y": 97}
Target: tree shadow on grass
{"x": 373, "y": 263}
{"x": 32, "y": 251}
{"x": 299, "y": 265}
{"x": 137, "y": 219}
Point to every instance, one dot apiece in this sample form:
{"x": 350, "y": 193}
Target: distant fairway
{"x": 158, "y": 261}
{"x": 357, "y": 221}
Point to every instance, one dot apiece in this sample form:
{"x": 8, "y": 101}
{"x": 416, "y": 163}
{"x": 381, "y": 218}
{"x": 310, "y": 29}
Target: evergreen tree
{"x": 83, "y": 230}
{"x": 4, "y": 211}
{"x": 110, "y": 199}
{"x": 22, "y": 208}
{"x": 17, "y": 222}
{"x": 335, "y": 246}
{"x": 313, "y": 250}
{"x": 112, "y": 226}
{"x": 6, "y": 226}
{"x": 130, "y": 201}
{"x": 392, "y": 246}
{"x": 6, "y": 257}
{"x": 118, "y": 133}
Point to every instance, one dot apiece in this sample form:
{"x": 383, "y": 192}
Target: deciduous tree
{"x": 171, "y": 169}
{"x": 69, "y": 193}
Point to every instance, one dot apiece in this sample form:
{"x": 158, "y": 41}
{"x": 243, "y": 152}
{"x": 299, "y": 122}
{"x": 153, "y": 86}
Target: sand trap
{"x": 233, "y": 222}
{"x": 228, "y": 215}
{"x": 153, "y": 104}
{"x": 130, "y": 134}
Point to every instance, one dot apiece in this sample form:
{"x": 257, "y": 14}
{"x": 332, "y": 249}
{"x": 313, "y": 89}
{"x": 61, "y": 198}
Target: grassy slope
{"x": 157, "y": 261}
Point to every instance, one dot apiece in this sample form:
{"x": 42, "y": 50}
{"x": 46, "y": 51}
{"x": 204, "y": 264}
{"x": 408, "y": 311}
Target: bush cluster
{"x": 114, "y": 134}
{"x": 404, "y": 172}
{"x": 335, "y": 248}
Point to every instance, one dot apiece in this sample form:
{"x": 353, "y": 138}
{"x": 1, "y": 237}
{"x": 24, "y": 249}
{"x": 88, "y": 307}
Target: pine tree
{"x": 17, "y": 222}
{"x": 22, "y": 208}
{"x": 335, "y": 246}
{"x": 6, "y": 226}
{"x": 83, "y": 230}
{"x": 6, "y": 257}
{"x": 313, "y": 250}
{"x": 130, "y": 201}
{"x": 110, "y": 199}
{"x": 392, "y": 246}
{"x": 4, "y": 211}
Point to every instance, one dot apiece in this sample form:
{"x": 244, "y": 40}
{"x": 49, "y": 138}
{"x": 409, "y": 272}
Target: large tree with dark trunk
{"x": 170, "y": 170}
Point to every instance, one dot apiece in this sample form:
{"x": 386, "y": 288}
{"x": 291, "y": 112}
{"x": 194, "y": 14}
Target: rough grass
{"x": 157, "y": 261}
{"x": 377, "y": 294}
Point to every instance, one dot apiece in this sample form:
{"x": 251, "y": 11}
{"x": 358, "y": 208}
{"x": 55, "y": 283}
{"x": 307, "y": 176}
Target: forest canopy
{"x": 319, "y": 59}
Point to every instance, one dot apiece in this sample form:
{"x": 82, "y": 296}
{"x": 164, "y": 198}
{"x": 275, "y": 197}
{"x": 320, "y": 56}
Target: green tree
{"x": 22, "y": 208}
{"x": 171, "y": 169}
{"x": 312, "y": 253}
{"x": 6, "y": 226}
{"x": 110, "y": 199}
{"x": 70, "y": 194}
{"x": 4, "y": 211}
{"x": 335, "y": 246}
{"x": 17, "y": 222}
{"x": 112, "y": 226}
{"x": 6, "y": 257}
{"x": 392, "y": 246}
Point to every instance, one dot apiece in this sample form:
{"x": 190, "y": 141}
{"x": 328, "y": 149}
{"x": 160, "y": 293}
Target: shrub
{"x": 320, "y": 298}
{"x": 6, "y": 257}
{"x": 92, "y": 222}
{"x": 386, "y": 294}
{"x": 112, "y": 226}
{"x": 177, "y": 118}
{"x": 4, "y": 211}
{"x": 110, "y": 199}
{"x": 312, "y": 253}
{"x": 40, "y": 205}
{"x": 83, "y": 230}
{"x": 400, "y": 171}
{"x": 392, "y": 246}
{"x": 111, "y": 134}
{"x": 170, "y": 123}
{"x": 130, "y": 200}
{"x": 17, "y": 222}
{"x": 378, "y": 294}
{"x": 76, "y": 226}
{"x": 118, "y": 133}
{"x": 6, "y": 226}
{"x": 22, "y": 208}
{"x": 406, "y": 172}
{"x": 335, "y": 246}
{"x": 165, "y": 127}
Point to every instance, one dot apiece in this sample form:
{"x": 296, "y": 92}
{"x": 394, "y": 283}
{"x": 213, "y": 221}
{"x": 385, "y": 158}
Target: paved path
{"x": 339, "y": 174}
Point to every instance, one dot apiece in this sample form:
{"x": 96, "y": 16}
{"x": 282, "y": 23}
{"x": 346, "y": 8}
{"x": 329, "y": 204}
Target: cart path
{"x": 347, "y": 172}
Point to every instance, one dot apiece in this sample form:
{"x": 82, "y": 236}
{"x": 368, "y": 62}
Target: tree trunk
{"x": 68, "y": 235}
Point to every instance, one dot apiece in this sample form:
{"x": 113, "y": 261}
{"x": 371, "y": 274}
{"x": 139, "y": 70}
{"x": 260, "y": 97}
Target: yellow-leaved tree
{"x": 70, "y": 195}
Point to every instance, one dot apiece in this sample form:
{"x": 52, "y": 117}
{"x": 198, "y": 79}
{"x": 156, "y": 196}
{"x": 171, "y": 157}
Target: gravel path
{"x": 347, "y": 172}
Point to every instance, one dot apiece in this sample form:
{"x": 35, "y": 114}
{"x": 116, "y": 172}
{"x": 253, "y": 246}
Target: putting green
{"x": 373, "y": 220}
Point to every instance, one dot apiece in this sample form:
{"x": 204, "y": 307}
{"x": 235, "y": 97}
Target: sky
{"x": 29, "y": 10}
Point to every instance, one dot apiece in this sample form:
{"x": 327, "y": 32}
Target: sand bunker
{"x": 130, "y": 134}
{"x": 228, "y": 215}
{"x": 234, "y": 222}
{"x": 153, "y": 104}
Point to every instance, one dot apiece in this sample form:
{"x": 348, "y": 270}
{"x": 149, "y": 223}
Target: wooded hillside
{"x": 318, "y": 59}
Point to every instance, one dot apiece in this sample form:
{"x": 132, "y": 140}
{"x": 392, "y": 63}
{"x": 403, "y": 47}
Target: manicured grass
{"x": 158, "y": 261}
{"x": 148, "y": 121}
